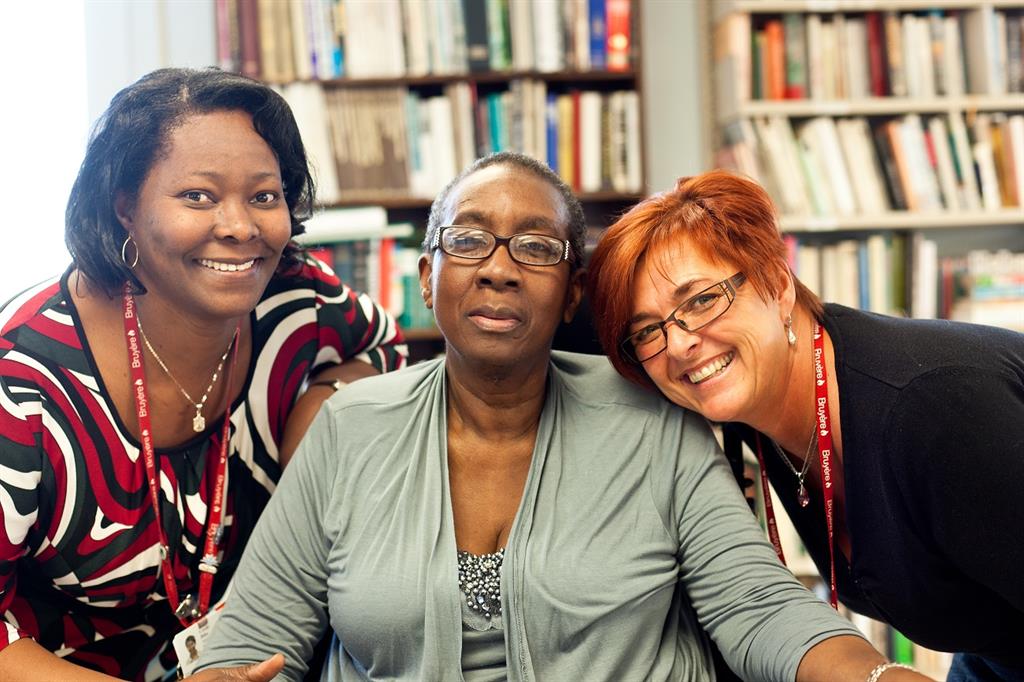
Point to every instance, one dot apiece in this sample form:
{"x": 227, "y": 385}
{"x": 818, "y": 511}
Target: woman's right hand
{"x": 255, "y": 672}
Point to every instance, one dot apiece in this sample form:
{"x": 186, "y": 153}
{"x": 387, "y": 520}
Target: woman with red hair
{"x": 895, "y": 445}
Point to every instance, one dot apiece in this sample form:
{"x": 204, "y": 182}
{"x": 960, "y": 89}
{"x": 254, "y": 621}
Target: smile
{"x": 226, "y": 267}
{"x": 711, "y": 369}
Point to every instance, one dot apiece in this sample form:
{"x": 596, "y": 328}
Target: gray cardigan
{"x": 631, "y": 545}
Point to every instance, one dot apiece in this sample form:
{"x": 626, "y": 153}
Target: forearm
{"x": 847, "y": 658}
{"x": 25, "y": 654}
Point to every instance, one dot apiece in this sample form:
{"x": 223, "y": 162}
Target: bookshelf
{"x": 395, "y": 97}
{"x": 890, "y": 133}
{"x": 900, "y": 120}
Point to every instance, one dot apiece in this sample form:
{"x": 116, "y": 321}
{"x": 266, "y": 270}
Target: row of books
{"x": 395, "y": 142}
{"x": 874, "y": 54}
{"x": 985, "y": 288}
{"x": 285, "y": 40}
{"x": 849, "y": 166}
{"x": 897, "y": 274}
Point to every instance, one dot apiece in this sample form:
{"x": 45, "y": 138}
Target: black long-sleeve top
{"x": 932, "y": 416}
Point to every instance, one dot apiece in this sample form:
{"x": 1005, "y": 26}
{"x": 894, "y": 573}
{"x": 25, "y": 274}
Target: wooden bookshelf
{"x": 406, "y": 93}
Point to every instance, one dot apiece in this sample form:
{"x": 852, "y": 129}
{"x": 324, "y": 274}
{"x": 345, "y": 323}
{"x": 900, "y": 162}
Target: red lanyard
{"x": 824, "y": 431}
{"x": 187, "y": 610}
{"x": 825, "y": 451}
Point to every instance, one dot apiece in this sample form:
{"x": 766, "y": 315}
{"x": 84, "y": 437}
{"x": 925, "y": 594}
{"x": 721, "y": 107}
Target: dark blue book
{"x": 598, "y": 35}
{"x": 551, "y": 123}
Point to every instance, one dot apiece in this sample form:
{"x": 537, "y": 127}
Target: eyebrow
{"x": 680, "y": 294}
{"x": 476, "y": 218}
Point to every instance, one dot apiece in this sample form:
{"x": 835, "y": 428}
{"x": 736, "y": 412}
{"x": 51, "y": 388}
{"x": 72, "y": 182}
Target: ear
{"x": 787, "y": 296}
{"x": 574, "y": 295}
{"x": 124, "y": 209}
{"x": 426, "y": 267}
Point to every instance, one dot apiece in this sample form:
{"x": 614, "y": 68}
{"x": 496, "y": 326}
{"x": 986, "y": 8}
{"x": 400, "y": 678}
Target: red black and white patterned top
{"x": 79, "y": 550}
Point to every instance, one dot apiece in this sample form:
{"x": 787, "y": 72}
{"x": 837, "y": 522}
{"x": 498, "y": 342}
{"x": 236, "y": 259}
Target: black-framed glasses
{"x": 465, "y": 241}
{"x": 695, "y": 312}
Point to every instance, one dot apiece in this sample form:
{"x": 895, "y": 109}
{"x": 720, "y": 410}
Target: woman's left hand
{"x": 255, "y": 672}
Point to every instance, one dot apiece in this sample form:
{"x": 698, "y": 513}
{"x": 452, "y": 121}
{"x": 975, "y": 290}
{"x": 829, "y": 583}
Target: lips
{"x": 495, "y": 318}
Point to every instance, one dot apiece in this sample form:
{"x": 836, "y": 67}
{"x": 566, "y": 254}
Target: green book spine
{"x": 902, "y": 648}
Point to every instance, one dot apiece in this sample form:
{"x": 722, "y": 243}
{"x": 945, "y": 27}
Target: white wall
{"x": 673, "y": 39}
{"x": 126, "y": 39}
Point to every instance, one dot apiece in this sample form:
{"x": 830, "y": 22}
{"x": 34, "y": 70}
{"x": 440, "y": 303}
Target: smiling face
{"x": 210, "y": 220}
{"x": 495, "y": 310}
{"x": 733, "y": 368}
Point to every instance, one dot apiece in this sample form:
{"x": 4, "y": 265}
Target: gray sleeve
{"x": 762, "y": 619}
{"x": 278, "y": 598}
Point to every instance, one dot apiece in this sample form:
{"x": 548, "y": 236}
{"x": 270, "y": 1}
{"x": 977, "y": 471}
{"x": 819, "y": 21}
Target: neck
{"x": 791, "y": 425}
{"x": 495, "y": 404}
{"x": 187, "y": 344}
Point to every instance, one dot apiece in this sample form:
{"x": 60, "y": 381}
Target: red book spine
{"x": 617, "y": 18}
{"x": 775, "y": 59}
{"x": 249, "y": 28}
{"x": 879, "y": 69}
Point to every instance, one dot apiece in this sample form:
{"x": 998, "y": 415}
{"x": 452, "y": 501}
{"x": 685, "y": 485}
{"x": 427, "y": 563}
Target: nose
{"x": 499, "y": 270}
{"x": 680, "y": 342}
{"x": 235, "y": 221}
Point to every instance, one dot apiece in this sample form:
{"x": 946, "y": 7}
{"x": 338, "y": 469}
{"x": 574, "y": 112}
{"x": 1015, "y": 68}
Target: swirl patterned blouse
{"x": 79, "y": 550}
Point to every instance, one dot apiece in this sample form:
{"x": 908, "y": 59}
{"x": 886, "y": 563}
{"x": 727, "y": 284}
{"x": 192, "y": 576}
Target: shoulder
{"x": 389, "y": 394}
{"x": 592, "y": 380}
{"x": 898, "y": 351}
{"x": 30, "y": 309}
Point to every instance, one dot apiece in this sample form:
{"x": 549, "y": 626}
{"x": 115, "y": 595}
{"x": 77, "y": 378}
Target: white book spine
{"x": 444, "y": 141}
{"x": 879, "y": 275}
{"x": 309, "y": 106}
{"x": 1015, "y": 145}
{"x": 815, "y": 77}
{"x": 925, "y": 279}
{"x": 548, "y": 36}
{"x": 590, "y": 141}
{"x": 634, "y": 172}
{"x": 944, "y": 161}
{"x": 953, "y": 57}
{"x": 300, "y": 40}
{"x": 985, "y": 158}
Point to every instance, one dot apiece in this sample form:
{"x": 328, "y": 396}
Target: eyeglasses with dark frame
{"x": 466, "y": 241}
{"x": 695, "y": 312}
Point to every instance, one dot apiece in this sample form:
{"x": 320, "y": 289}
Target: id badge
{"x": 190, "y": 642}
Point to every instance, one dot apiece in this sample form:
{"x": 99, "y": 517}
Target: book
{"x": 795, "y": 50}
{"x": 619, "y": 43}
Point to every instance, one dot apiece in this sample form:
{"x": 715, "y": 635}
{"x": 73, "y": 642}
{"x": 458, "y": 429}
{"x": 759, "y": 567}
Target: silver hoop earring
{"x": 124, "y": 254}
{"x": 790, "y": 336}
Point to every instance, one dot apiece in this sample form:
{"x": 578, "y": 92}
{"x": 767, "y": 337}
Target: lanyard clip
{"x": 208, "y": 564}
{"x": 188, "y": 609}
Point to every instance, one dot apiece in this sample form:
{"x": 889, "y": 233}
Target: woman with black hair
{"x": 149, "y": 395}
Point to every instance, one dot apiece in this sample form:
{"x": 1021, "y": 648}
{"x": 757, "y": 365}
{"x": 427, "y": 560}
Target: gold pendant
{"x": 198, "y": 423}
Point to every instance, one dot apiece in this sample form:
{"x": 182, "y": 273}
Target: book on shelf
{"x": 834, "y": 55}
{"x": 284, "y": 40}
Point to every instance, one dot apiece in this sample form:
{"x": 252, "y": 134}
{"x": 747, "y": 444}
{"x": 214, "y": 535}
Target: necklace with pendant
{"x": 198, "y": 421}
{"x": 801, "y": 494}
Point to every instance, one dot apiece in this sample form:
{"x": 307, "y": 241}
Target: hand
{"x": 255, "y": 672}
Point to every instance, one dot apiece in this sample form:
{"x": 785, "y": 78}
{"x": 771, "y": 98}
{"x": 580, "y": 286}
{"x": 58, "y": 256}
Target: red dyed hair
{"x": 728, "y": 218}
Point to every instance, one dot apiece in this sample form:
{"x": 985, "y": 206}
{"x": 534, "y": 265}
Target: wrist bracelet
{"x": 333, "y": 383}
{"x": 877, "y": 671}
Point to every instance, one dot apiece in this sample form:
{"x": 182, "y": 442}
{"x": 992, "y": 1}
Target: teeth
{"x": 227, "y": 267}
{"x": 711, "y": 368}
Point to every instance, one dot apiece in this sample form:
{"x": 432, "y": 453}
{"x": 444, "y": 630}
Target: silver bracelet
{"x": 877, "y": 671}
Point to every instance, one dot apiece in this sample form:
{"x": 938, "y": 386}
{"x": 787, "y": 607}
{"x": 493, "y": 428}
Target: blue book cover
{"x": 598, "y": 35}
{"x": 551, "y": 122}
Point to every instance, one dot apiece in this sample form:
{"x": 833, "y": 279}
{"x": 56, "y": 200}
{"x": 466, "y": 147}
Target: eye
{"x": 646, "y": 335}
{"x": 196, "y": 196}
{"x": 266, "y": 198}
{"x": 702, "y": 302}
